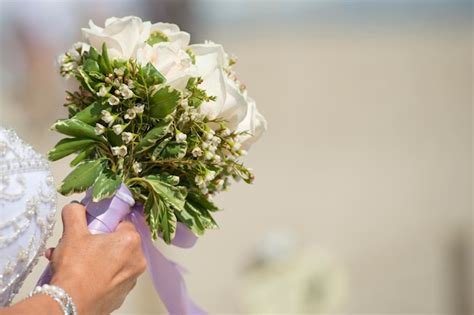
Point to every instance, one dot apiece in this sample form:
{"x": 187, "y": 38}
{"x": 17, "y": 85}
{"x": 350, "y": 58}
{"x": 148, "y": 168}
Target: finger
{"x": 49, "y": 253}
{"x": 125, "y": 226}
{"x": 74, "y": 219}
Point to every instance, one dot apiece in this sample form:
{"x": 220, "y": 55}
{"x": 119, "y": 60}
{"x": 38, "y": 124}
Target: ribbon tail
{"x": 166, "y": 275}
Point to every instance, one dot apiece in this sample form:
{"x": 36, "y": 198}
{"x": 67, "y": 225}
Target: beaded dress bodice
{"x": 27, "y": 211}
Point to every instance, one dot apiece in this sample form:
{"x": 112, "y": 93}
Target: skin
{"x": 97, "y": 271}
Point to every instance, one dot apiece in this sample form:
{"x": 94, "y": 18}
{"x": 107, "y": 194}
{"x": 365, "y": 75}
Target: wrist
{"x": 37, "y": 304}
{"x": 62, "y": 298}
{"x": 75, "y": 292}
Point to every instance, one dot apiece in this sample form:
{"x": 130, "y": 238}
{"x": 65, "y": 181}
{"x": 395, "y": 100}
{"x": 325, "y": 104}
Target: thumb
{"x": 49, "y": 253}
{"x": 74, "y": 219}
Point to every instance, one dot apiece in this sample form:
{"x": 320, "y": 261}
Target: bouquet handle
{"x": 105, "y": 215}
{"x": 102, "y": 217}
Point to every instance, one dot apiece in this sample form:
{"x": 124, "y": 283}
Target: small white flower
{"x": 107, "y": 117}
{"x": 117, "y": 83}
{"x": 216, "y": 140}
{"x": 127, "y": 137}
{"x": 243, "y": 152}
{"x": 205, "y": 145}
{"x": 185, "y": 118}
{"x": 217, "y": 158}
{"x": 196, "y": 152}
{"x": 194, "y": 115}
{"x": 139, "y": 108}
{"x": 226, "y": 132}
{"x": 99, "y": 129}
{"x": 68, "y": 66}
{"x": 130, "y": 84}
{"x": 119, "y": 71}
{"x": 208, "y": 155}
{"x": 113, "y": 100}
{"x": 236, "y": 146}
{"x": 62, "y": 59}
{"x": 212, "y": 148}
{"x": 220, "y": 184}
{"x": 210, "y": 176}
{"x": 83, "y": 47}
{"x": 118, "y": 129}
{"x": 209, "y": 135}
{"x": 126, "y": 92}
{"x": 184, "y": 103}
{"x": 102, "y": 91}
{"x": 199, "y": 180}
{"x": 74, "y": 54}
{"x": 137, "y": 167}
{"x": 180, "y": 137}
{"x": 119, "y": 151}
{"x": 131, "y": 114}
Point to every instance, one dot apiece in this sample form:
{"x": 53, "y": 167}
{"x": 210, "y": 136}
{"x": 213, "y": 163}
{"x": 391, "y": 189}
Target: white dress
{"x": 27, "y": 211}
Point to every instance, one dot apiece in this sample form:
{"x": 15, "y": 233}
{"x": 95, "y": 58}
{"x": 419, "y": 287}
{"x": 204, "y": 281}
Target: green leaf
{"x": 103, "y": 66}
{"x": 157, "y": 37}
{"x": 92, "y": 113}
{"x": 157, "y": 133}
{"x": 106, "y": 185}
{"x": 81, "y": 178}
{"x": 84, "y": 78}
{"x": 68, "y": 146}
{"x": 91, "y": 65}
{"x": 200, "y": 201}
{"x": 160, "y": 217}
{"x": 151, "y": 212}
{"x": 76, "y": 128}
{"x": 167, "y": 221}
{"x": 174, "y": 150}
{"x": 150, "y": 76}
{"x": 84, "y": 154}
{"x": 192, "y": 220}
{"x": 114, "y": 139}
{"x": 168, "y": 178}
{"x": 191, "y": 55}
{"x": 159, "y": 148}
{"x": 196, "y": 219}
{"x": 93, "y": 54}
{"x": 105, "y": 59}
{"x": 172, "y": 195}
{"x": 97, "y": 76}
{"x": 164, "y": 102}
{"x": 198, "y": 96}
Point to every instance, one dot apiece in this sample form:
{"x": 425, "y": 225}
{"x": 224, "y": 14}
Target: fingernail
{"x": 75, "y": 201}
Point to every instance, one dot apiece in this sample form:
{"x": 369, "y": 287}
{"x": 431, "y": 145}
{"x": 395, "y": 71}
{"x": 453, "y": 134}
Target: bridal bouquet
{"x": 156, "y": 119}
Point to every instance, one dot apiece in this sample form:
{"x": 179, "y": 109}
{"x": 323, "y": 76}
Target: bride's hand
{"x": 97, "y": 271}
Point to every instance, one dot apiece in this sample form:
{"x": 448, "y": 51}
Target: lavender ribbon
{"x": 105, "y": 215}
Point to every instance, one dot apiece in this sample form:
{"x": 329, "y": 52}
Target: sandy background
{"x": 368, "y": 156}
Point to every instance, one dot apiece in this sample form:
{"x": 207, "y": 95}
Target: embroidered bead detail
{"x": 27, "y": 211}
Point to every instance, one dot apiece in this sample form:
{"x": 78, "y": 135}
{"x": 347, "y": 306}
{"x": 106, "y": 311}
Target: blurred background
{"x": 363, "y": 197}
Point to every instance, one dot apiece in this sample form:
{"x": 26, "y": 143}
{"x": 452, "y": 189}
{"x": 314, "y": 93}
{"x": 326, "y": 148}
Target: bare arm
{"x": 97, "y": 271}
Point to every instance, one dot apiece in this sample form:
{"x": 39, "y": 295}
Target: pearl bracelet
{"x": 59, "y": 295}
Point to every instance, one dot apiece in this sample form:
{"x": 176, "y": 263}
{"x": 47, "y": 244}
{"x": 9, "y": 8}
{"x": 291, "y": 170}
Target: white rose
{"x": 122, "y": 36}
{"x": 170, "y": 60}
{"x": 232, "y": 104}
{"x": 169, "y": 57}
{"x": 254, "y": 123}
{"x": 173, "y": 33}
